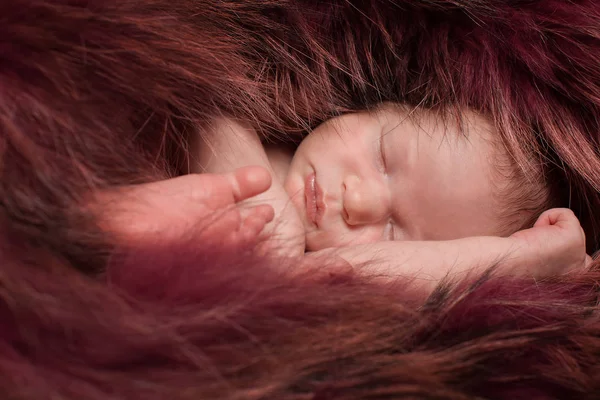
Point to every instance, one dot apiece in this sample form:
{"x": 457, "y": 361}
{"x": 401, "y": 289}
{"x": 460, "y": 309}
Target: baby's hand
{"x": 173, "y": 208}
{"x": 555, "y": 244}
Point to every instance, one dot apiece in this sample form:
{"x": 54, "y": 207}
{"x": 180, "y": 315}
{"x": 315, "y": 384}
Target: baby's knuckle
{"x": 567, "y": 212}
{"x": 201, "y": 186}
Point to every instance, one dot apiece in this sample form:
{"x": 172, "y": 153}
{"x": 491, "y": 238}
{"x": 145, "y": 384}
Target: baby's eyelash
{"x": 382, "y": 153}
{"x": 390, "y": 231}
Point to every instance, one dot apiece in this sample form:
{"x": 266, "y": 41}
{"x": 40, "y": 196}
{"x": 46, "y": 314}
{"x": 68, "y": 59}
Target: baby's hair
{"x": 541, "y": 184}
{"x": 523, "y": 197}
{"x": 522, "y": 192}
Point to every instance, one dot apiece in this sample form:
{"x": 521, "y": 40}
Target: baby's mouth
{"x": 313, "y": 196}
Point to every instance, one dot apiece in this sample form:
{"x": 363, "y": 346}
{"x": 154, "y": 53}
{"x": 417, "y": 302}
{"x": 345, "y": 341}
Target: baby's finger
{"x": 561, "y": 217}
{"x": 263, "y": 211}
{"x": 253, "y": 226}
{"x": 254, "y": 220}
{"x": 249, "y": 181}
{"x": 221, "y": 224}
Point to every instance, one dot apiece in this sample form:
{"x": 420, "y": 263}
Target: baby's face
{"x": 367, "y": 177}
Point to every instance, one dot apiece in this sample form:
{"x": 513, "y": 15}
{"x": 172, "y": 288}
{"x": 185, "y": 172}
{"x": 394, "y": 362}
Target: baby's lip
{"x": 313, "y": 197}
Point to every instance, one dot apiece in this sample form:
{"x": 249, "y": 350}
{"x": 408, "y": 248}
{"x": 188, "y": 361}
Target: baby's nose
{"x": 365, "y": 201}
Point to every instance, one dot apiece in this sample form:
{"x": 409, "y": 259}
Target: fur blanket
{"x": 95, "y": 94}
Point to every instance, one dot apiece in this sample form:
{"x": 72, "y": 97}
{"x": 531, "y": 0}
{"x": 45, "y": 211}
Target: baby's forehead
{"x": 448, "y": 126}
{"x": 451, "y": 119}
{"x": 457, "y": 147}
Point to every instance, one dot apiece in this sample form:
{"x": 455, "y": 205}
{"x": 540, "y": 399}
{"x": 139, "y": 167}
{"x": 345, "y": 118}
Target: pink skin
{"x": 171, "y": 208}
{"x": 363, "y": 203}
{"x": 381, "y": 176}
{"x": 555, "y": 243}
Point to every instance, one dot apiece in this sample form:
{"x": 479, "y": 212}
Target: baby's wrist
{"x": 531, "y": 258}
{"x": 519, "y": 258}
{"x": 507, "y": 254}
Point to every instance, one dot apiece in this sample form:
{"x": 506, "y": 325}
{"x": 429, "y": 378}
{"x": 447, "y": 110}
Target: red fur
{"x": 95, "y": 94}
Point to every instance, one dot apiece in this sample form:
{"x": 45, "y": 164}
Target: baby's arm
{"x": 228, "y": 145}
{"x": 555, "y": 244}
{"x": 427, "y": 261}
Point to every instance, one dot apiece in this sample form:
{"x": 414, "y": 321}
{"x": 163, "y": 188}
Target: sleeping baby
{"x": 405, "y": 189}
{"x": 394, "y": 190}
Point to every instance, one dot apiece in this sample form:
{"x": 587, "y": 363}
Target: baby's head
{"x": 400, "y": 174}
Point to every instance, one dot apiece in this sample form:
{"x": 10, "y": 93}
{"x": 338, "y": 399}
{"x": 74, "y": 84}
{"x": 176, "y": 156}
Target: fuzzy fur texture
{"x": 101, "y": 93}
